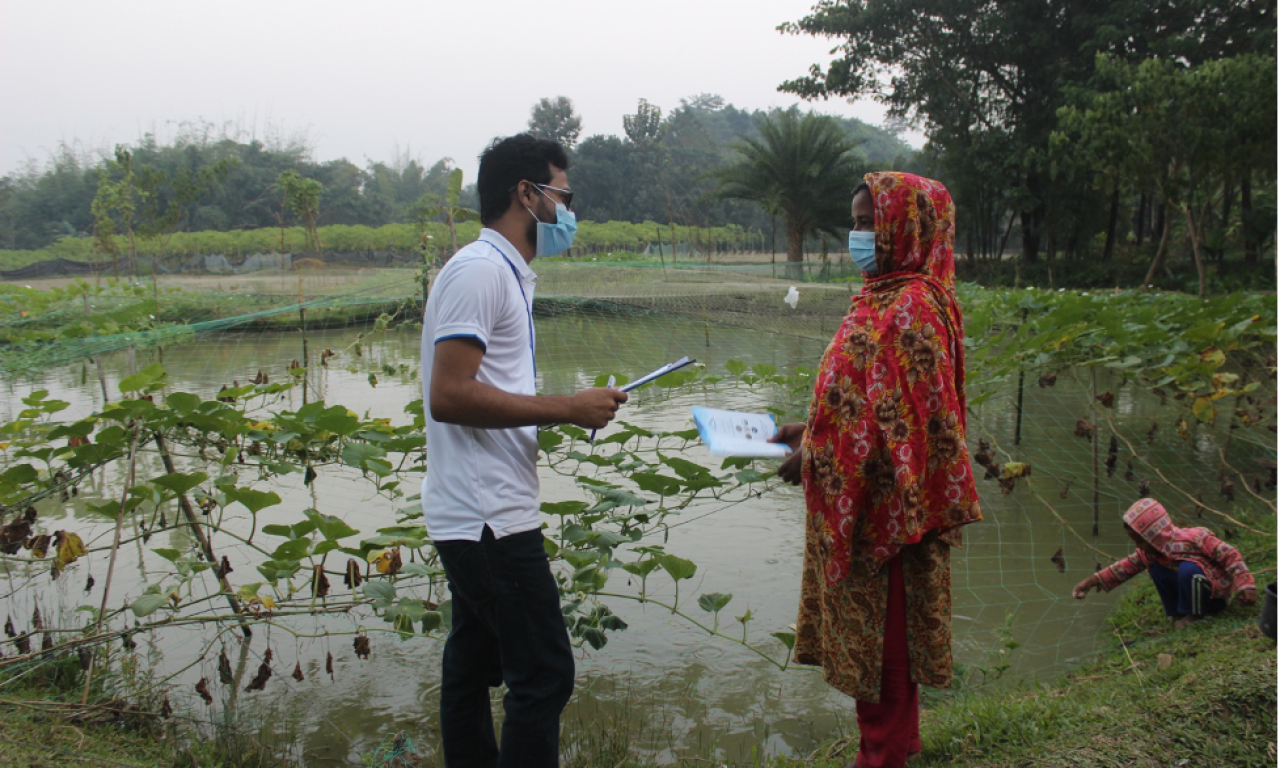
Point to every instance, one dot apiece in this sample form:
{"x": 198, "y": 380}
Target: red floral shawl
{"x": 885, "y": 460}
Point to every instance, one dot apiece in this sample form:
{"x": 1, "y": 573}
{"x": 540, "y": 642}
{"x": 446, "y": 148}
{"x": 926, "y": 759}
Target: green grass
{"x": 44, "y": 724}
{"x": 1212, "y": 704}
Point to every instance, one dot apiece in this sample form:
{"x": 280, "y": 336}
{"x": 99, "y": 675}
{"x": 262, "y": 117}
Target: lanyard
{"x": 527, "y": 306}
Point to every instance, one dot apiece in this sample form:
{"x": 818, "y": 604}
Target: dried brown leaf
{"x": 319, "y": 582}
{"x": 259, "y": 682}
{"x": 1059, "y": 560}
{"x": 224, "y": 669}
{"x": 352, "y": 575}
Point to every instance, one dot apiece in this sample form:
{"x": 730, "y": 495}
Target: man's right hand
{"x": 594, "y": 408}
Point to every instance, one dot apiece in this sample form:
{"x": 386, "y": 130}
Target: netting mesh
{"x": 1016, "y": 569}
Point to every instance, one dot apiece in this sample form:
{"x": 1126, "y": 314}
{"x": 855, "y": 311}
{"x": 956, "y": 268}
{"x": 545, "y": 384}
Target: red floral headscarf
{"x": 885, "y": 460}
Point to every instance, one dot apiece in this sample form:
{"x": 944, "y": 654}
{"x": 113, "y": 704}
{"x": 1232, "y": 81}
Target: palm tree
{"x": 802, "y": 167}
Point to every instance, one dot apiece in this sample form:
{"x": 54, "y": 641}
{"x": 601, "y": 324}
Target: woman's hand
{"x": 1083, "y": 587}
{"x": 1247, "y": 596}
{"x": 791, "y": 435}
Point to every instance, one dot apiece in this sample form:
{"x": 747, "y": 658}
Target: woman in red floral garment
{"x": 886, "y": 472}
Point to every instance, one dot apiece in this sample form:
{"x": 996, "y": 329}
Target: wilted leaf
{"x": 68, "y": 547}
{"x": 352, "y": 575}
{"x": 224, "y": 669}
{"x": 260, "y": 680}
{"x": 388, "y": 562}
{"x": 361, "y": 645}
{"x": 297, "y": 672}
{"x": 1059, "y": 560}
{"x": 1015, "y": 469}
{"x": 1213, "y": 356}
{"x": 319, "y": 582}
{"x": 328, "y": 665}
{"x": 39, "y": 545}
{"x": 202, "y": 688}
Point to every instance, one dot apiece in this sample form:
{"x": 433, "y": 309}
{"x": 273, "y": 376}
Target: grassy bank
{"x": 1200, "y": 696}
{"x": 1156, "y": 697}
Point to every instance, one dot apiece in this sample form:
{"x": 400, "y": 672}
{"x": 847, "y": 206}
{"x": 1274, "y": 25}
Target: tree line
{"x": 206, "y": 180}
{"x": 1081, "y": 128}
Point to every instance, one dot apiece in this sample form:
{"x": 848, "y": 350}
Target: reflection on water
{"x": 674, "y": 689}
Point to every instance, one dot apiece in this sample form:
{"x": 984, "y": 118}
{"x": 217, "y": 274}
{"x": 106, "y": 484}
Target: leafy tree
{"x": 555, "y": 119}
{"x": 991, "y": 76}
{"x": 710, "y": 102}
{"x": 302, "y": 196}
{"x": 430, "y": 207}
{"x": 803, "y": 166}
{"x": 645, "y": 126}
{"x": 1180, "y": 130}
{"x": 166, "y": 202}
{"x": 115, "y": 208}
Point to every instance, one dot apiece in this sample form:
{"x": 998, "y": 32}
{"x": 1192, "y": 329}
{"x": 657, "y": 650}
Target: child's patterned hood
{"x": 1149, "y": 518}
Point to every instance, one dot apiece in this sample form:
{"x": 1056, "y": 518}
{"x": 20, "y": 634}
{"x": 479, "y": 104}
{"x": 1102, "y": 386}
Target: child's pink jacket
{"x": 1222, "y": 564}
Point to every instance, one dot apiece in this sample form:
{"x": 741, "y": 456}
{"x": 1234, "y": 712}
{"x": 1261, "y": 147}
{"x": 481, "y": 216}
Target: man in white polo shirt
{"x": 480, "y": 496}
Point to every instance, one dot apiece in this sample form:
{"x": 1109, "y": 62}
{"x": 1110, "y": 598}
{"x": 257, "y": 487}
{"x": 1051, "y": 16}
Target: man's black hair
{"x": 509, "y": 161}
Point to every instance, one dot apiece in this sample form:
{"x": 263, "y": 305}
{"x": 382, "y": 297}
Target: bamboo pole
{"x": 115, "y": 549}
{"x": 1093, "y": 407}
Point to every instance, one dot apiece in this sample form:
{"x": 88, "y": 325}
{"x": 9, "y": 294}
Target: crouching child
{"x": 1195, "y": 572}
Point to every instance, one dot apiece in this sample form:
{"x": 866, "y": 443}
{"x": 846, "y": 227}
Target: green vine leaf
{"x": 786, "y": 638}
{"x": 713, "y": 602}
{"x": 678, "y": 567}
{"x": 148, "y": 604}
{"x": 254, "y": 501}
{"x": 179, "y": 482}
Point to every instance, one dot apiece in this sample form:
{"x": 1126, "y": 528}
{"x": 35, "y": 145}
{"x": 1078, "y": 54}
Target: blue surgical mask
{"x": 555, "y": 238}
{"x": 862, "y": 247}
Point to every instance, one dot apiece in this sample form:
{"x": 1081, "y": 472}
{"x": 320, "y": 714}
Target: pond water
{"x": 668, "y": 687}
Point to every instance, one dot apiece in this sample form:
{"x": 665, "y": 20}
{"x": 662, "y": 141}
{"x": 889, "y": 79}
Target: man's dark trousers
{"x": 507, "y": 628}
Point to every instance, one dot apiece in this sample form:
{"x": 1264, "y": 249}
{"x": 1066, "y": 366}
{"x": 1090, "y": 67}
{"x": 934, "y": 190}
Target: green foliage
{"x": 801, "y": 167}
{"x": 302, "y": 196}
{"x": 555, "y": 119}
{"x": 1198, "y": 351}
{"x": 986, "y": 81}
{"x": 645, "y": 126}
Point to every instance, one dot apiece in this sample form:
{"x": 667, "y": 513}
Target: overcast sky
{"x": 361, "y": 79}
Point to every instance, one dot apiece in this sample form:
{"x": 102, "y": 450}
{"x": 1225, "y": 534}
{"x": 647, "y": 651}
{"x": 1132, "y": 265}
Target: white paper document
{"x": 738, "y": 433}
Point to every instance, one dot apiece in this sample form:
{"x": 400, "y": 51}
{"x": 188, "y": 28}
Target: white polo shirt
{"x": 478, "y": 477}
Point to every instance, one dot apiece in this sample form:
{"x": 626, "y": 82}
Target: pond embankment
{"x": 1201, "y": 696}
{"x": 1158, "y": 697}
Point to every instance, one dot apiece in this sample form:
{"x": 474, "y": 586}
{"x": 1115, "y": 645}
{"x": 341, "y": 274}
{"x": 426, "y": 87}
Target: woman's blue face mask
{"x": 862, "y": 248}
